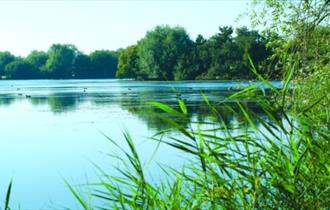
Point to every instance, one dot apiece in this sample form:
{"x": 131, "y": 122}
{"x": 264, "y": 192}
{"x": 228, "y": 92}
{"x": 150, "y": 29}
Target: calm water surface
{"x": 52, "y": 130}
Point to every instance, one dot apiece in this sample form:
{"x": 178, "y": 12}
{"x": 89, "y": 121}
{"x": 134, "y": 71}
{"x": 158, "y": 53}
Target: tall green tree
{"x": 60, "y": 62}
{"x": 38, "y": 59}
{"x": 21, "y": 69}
{"x": 128, "y": 63}
{"x": 224, "y": 53}
{"x": 160, "y": 50}
{"x": 304, "y": 48}
{"x": 299, "y": 23}
{"x": 252, "y": 45}
{"x": 82, "y": 66}
{"x": 186, "y": 67}
{"x": 103, "y": 64}
{"x": 5, "y": 58}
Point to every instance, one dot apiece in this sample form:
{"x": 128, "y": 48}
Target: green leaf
{"x": 77, "y": 196}
{"x": 183, "y": 106}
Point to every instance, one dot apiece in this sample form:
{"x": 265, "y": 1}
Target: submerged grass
{"x": 280, "y": 161}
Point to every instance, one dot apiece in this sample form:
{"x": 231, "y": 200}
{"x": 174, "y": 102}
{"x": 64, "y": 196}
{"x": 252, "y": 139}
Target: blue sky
{"x": 90, "y": 25}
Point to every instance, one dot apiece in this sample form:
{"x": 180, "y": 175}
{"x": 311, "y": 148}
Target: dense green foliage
{"x": 5, "y": 59}
{"x": 128, "y": 65}
{"x": 168, "y": 53}
{"x": 165, "y": 53}
{"x": 161, "y": 50}
{"x": 20, "y": 69}
{"x": 304, "y": 48}
{"x": 104, "y": 64}
{"x": 61, "y": 61}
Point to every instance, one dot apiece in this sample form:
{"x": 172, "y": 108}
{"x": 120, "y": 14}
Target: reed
{"x": 7, "y": 198}
{"x": 276, "y": 161}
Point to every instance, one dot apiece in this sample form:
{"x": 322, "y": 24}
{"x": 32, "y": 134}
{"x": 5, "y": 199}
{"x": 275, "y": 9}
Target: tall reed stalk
{"x": 279, "y": 161}
{"x": 7, "y": 198}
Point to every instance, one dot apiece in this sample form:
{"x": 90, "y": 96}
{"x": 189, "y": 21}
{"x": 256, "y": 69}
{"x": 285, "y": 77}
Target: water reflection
{"x": 58, "y": 103}
{"x": 135, "y": 102}
{"x": 6, "y": 100}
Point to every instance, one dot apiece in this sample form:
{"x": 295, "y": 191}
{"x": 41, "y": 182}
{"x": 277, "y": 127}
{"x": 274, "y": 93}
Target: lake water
{"x": 53, "y": 130}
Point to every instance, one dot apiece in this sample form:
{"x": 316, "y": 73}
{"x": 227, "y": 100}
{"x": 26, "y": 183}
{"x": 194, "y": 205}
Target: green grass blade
{"x": 8, "y": 196}
{"x": 77, "y": 196}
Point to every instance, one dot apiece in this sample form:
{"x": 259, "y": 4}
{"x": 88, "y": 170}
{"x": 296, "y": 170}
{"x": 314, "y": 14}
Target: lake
{"x": 53, "y": 130}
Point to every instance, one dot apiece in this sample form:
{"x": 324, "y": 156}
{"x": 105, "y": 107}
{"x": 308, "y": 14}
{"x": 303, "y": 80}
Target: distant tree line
{"x": 165, "y": 53}
{"x": 61, "y": 61}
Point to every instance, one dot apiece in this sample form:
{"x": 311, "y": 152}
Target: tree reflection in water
{"x": 135, "y": 102}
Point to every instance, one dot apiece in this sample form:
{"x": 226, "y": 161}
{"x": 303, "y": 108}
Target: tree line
{"x": 61, "y": 61}
{"x": 168, "y": 53}
{"x": 165, "y": 53}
